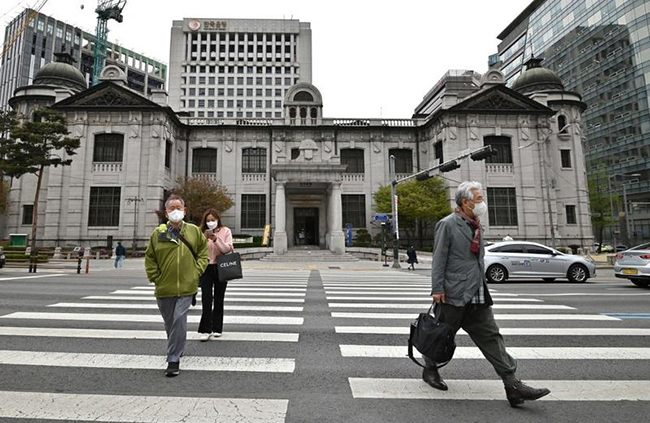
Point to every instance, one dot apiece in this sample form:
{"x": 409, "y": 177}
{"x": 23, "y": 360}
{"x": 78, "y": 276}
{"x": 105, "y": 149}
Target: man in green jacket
{"x": 175, "y": 267}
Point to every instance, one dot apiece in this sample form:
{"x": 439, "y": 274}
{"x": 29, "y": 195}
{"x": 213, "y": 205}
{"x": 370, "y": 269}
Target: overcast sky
{"x": 370, "y": 58}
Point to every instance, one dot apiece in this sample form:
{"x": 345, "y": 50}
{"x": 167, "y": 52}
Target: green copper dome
{"x": 537, "y": 78}
{"x": 61, "y": 73}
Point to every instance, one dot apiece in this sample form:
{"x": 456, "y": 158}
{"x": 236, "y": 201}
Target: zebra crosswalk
{"x": 105, "y": 330}
{"x": 372, "y": 317}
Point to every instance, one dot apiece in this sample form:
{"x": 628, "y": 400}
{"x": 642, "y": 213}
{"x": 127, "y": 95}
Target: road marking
{"x": 155, "y": 306}
{"x": 417, "y": 306}
{"x": 139, "y": 289}
{"x": 404, "y": 330}
{"x": 235, "y": 320}
{"x": 522, "y": 353}
{"x": 488, "y": 390}
{"x": 413, "y": 316}
{"x": 629, "y": 316}
{"x": 388, "y": 297}
{"x": 32, "y": 277}
{"x": 254, "y": 294}
{"x": 126, "y": 408}
{"x": 227, "y": 299}
{"x": 128, "y": 361}
{"x": 141, "y": 334}
{"x": 585, "y": 294}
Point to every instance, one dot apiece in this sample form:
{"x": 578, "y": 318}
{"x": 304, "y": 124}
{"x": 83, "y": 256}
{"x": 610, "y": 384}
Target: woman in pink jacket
{"x": 219, "y": 242}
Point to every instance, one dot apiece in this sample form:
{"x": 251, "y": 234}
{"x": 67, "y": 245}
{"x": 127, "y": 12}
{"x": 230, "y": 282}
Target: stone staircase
{"x": 309, "y": 254}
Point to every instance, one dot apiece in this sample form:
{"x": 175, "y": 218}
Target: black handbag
{"x": 433, "y": 338}
{"x": 229, "y": 267}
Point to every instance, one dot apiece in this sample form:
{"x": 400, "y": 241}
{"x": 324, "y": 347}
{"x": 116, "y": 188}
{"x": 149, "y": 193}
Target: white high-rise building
{"x": 236, "y": 68}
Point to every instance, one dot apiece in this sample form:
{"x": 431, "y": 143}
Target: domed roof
{"x": 537, "y": 78}
{"x": 61, "y": 73}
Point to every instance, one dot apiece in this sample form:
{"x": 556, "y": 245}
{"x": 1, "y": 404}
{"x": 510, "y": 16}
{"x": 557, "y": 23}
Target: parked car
{"x": 634, "y": 264}
{"x": 3, "y": 261}
{"x": 529, "y": 260}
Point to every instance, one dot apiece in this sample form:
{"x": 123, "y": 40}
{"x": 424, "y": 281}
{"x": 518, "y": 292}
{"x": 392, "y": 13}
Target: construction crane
{"x": 106, "y": 10}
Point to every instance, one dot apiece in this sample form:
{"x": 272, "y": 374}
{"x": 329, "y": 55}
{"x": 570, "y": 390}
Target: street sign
{"x": 383, "y": 217}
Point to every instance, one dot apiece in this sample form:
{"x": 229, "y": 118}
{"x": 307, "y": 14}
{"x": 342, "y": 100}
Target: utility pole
{"x": 135, "y": 200}
{"x": 393, "y": 200}
{"x": 542, "y": 160}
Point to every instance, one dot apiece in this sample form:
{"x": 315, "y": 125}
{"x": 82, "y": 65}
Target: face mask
{"x": 176, "y": 216}
{"x": 213, "y": 224}
{"x": 480, "y": 210}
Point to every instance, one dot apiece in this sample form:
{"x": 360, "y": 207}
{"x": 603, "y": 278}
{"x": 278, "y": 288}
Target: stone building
{"x": 306, "y": 175}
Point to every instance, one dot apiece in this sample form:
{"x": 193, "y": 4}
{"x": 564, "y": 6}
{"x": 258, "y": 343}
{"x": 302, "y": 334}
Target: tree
{"x": 35, "y": 145}
{"x": 419, "y": 201}
{"x": 201, "y": 194}
{"x": 600, "y": 200}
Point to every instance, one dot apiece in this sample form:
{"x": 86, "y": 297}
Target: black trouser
{"x": 212, "y": 318}
{"x": 478, "y": 322}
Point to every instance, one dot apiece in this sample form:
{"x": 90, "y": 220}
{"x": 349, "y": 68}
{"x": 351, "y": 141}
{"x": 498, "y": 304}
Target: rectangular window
{"x": 403, "y": 160}
{"x": 168, "y": 154}
{"x": 253, "y": 210}
{"x": 28, "y": 214}
{"x": 108, "y": 148}
{"x": 59, "y": 32}
{"x": 502, "y": 147}
{"x": 254, "y": 160}
{"x": 104, "y": 209}
{"x": 438, "y": 152}
{"x": 204, "y": 160}
{"x": 354, "y": 210}
{"x": 502, "y": 206}
{"x": 565, "y": 155}
{"x": 571, "y": 215}
{"x": 354, "y": 159}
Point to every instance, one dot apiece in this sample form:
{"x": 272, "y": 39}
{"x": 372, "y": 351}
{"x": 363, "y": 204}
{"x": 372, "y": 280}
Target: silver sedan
{"x": 520, "y": 259}
{"x": 634, "y": 264}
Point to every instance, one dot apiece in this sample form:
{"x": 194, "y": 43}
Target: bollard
{"x": 87, "y": 264}
{"x": 78, "y": 265}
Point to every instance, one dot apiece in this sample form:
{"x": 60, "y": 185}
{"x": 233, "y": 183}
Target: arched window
{"x": 314, "y": 113}
{"x": 303, "y": 112}
{"x": 292, "y": 113}
{"x": 254, "y": 160}
{"x": 561, "y": 124}
{"x": 204, "y": 160}
{"x": 303, "y": 96}
{"x": 502, "y": 147}
{"x": 108, "y": 148}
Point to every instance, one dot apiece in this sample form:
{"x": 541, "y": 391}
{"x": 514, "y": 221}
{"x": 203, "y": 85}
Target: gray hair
{"x": 465, "y": 189}
{"x": 172, "y": 198}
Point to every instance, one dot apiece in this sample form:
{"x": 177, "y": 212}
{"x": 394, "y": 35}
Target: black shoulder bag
{"x": 433, "y": 338}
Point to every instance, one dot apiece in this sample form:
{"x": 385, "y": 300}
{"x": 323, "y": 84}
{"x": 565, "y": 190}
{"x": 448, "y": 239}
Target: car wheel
{"x": 641, "y": 283}
{"x": 497, "y": 273}
{"x": 578, "y": 273}
{"x": 549, "y": 279}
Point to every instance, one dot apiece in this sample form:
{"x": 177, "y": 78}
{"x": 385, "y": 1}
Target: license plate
{"x": 629, "y": 271}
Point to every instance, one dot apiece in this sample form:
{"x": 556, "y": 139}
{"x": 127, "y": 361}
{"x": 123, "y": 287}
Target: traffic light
{"x": 483, "y": 153}
{"x": 422, "y": 176}
{"x": 448, "y": 166}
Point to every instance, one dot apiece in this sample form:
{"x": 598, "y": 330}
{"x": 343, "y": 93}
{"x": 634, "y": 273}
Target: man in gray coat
{"x": 458, "y": 287}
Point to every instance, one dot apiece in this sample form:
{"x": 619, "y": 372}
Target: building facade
{"x": 600, "y": 49}
{"x": 236, "y": 68}
{"x": 307, "y": 177}
{"x": 27, "y": 51}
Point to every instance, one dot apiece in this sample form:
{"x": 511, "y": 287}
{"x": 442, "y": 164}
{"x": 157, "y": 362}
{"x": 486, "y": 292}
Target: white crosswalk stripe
{"x": 273, "y": 300}
{"x": 370, "y": 301}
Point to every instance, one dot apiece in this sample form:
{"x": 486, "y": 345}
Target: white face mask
{"x": 213, "y": 224}
{"x": 480, "y": 210}
{"x": 176, "y": 216}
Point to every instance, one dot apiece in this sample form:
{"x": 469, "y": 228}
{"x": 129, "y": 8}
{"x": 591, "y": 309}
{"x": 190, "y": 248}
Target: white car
{"x": 634, "y": 264}
{"x": 529, "y": 260}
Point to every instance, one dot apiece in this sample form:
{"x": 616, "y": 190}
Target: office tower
{"x": 236, "y": 68}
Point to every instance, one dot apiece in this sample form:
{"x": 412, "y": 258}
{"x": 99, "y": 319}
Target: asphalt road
{"x": 324, "y": 345}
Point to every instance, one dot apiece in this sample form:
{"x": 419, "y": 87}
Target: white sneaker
{"x": 216, "y": 334}
{"x": 205, "y": 337}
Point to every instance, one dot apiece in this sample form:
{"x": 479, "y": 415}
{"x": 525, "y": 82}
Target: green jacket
{"x": 170, "y": 265}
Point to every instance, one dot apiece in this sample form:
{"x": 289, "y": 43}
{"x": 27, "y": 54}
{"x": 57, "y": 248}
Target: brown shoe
{"x": 520, "y": 392}
{"x": 431, "y": 376}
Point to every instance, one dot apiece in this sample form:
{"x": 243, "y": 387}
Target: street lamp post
{"x": 393, "y": 200}
{"x": 135, "y": 200}
{"x": 625, "y": 206}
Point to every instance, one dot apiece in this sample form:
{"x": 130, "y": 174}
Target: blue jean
{"x": 119, "y": 261}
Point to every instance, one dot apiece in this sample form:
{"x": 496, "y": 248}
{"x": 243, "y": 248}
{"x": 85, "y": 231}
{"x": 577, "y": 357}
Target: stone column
{"x": 280, "y": 234}
{"x": 337, "y": 238}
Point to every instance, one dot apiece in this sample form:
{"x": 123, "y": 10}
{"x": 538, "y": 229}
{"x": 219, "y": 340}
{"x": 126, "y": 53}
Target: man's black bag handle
{"x": 433, "y": 338}
{"x": 189, "y": 246}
